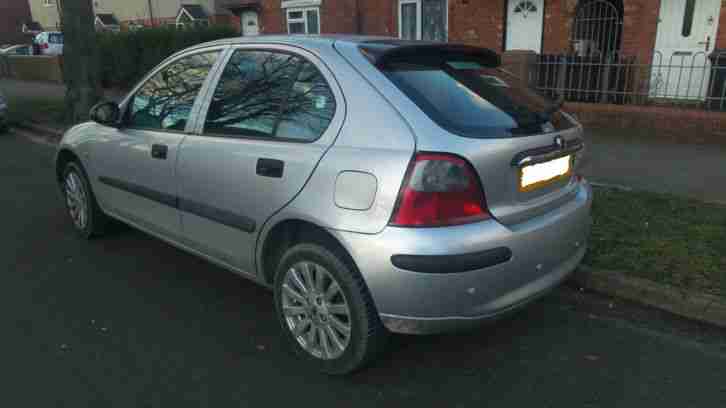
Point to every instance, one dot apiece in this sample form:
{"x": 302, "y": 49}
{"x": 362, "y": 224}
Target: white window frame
{"x": 193, "y": 21}
{"x": 48, "y": 3}
{"x": 304, "y": 18}
{"x": 419, "y": 10}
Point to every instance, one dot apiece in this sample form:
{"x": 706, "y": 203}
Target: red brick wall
{"x": 477, "y": 22}
{"x": 721, "y": 33}
{"x": 680, "y": 125}
{"x": 379, "y": 17}
{"x": 13, "y": 13}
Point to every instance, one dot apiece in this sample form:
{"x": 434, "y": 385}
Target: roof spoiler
{"x": 381, "y": 54}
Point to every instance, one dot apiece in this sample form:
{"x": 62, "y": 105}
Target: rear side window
{"x": 465, "y": 97}
{"x": 55, "y": 38}
{"x": 270, "y": 95}
{"x": 166, "y": 99}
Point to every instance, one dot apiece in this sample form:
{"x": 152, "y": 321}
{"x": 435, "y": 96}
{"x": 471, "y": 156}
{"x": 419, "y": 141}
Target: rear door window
{"x": 468, "y": 98}
{"x": 273, "y": 95}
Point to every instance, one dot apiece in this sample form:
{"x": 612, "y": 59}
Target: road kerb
{"x": 690, "y": 304}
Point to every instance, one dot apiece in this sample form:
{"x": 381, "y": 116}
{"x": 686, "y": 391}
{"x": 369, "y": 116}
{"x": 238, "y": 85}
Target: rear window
{"x": 55, "y": 38}
{"x": 468, "y": 98}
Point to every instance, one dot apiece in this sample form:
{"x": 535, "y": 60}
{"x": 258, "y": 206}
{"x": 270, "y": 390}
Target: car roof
{"x": 304, "y": 41}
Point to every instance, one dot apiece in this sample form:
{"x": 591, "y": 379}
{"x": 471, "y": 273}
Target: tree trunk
{"x": 81, "y": 67}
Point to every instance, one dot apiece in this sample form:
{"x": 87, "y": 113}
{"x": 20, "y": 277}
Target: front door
{"x": 271, "y": 117}
{"x": 686, "y": 36}
{"x": 524, "y": 24}
{"x": 136, "y": 164}
{"x": 425, "y": 20}
{"x": 250, "y": 24}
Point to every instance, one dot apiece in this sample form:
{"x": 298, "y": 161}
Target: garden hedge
{"x": 127, "y": 56}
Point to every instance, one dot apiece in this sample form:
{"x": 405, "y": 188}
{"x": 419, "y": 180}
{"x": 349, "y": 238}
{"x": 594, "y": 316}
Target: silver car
{"x": 3, "y": 113}
{"x": 376, "y": 185}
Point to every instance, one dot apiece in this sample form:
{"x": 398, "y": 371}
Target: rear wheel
{"x": 325, "y": 311}
{"x": 88, "y": 219}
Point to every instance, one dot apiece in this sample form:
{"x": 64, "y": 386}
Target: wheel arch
{"x": 288, "y": 232}
{"x": 64, "y": 156}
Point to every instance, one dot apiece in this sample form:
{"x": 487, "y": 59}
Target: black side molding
{"x": 142, "y": 191}
{"x": 452, "y": 263}
{"x": 227, "y": 218}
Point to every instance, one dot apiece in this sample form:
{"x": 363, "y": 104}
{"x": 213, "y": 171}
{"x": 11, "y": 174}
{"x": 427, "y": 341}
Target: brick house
{"x": 13, "y": 15}
{"x": 545, "y": 26}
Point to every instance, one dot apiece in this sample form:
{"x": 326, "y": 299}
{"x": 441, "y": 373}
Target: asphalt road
{"x": 128, "y": 321}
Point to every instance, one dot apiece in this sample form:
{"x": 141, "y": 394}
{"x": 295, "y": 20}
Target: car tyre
{"x": 87, "y": 218}
{"x": 366, "y": 337}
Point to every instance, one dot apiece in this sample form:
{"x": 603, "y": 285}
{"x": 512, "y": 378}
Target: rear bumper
{"x": 522, "y": 262}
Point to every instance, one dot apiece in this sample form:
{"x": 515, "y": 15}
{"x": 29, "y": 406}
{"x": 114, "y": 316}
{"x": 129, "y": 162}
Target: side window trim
{"x": 193, "y": 115}
{"x": 300, "y": 53}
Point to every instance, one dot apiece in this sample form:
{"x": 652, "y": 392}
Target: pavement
{"x": 129, "y": 321}
{"x": 630, "y": 158}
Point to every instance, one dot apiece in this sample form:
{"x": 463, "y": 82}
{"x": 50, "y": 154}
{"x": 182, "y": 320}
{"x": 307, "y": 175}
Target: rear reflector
{"x": 439, "y": 190}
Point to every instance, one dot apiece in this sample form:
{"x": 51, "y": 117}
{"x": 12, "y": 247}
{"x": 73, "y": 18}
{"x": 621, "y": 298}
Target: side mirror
{"x": 106, "y": 113}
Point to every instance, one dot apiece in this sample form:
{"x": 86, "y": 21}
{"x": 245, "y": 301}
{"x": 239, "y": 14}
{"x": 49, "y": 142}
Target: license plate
{"x": 541, "y": 174}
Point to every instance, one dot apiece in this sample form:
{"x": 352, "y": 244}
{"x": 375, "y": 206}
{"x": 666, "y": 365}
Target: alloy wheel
{"x": 77, "y": 200}
{"x": 316, "y": 310}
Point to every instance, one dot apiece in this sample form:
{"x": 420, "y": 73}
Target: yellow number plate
{"x": 541, "y": 174}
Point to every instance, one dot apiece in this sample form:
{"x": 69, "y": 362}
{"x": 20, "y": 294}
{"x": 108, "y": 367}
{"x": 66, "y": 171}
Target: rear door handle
{"x": 158, "y": 151}
{"x": 270, "y": 167}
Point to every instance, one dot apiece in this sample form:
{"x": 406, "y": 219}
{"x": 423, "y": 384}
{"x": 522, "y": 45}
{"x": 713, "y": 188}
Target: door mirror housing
{"x": 106, "y": 113}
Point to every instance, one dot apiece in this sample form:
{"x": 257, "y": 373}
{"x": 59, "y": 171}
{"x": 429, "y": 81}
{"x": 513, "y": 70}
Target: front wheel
{"x": 325, "y": 311}
{"x": 87, "y": 217}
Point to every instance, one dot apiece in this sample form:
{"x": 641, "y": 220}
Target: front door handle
{"x": 158, "y": 151}
{"x": 270, "y": 167}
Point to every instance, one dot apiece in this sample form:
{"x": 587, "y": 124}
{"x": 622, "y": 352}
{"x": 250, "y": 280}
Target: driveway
{"x": 128, "y": 321}
{"x": 625, "y": 157}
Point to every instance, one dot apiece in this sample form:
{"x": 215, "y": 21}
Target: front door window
{"x": 165, "y": 101}
{"x": 423, "y": 20}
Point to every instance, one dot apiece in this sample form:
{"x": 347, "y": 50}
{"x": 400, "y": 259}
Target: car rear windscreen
{"x": 55, "y": 38}
{"x": 468, "y": 98}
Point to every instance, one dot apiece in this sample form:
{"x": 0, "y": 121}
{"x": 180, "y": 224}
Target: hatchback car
{"x": 49, "y": 43}
{"x": 374, "y": 184}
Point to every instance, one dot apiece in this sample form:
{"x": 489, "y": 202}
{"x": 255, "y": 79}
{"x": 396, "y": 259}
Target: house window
{"x": 303, "y": 20}
{"x": 423, "y": 20}
{"x": 191, "y": 15}
{"x": 48, "y": 3}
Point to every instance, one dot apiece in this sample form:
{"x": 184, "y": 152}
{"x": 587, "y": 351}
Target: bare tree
{"x": 81, "y": 66}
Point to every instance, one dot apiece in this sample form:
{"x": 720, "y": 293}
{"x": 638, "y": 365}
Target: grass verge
{"x": 663, "y": 238}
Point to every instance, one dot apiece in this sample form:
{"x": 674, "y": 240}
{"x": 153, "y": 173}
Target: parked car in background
{"x": 3, "y": 113}
{"x": 374, "y": 184}
{"x": 49, "y": 43}
{"x": 21, "y": 49}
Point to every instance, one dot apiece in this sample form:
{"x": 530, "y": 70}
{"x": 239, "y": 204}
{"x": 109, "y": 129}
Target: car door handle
{"x": 270, "y": 168}
{"x": 158, "y": 151}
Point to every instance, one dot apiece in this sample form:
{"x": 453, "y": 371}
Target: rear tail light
{"x": 44, "y": 46}
{"x": 439, "y": 189}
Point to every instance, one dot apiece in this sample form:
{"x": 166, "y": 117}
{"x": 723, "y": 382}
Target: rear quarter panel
{"x": 375, "y": 139}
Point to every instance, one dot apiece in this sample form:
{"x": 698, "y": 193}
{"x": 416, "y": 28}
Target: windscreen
{"x": 470, "y": 99}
